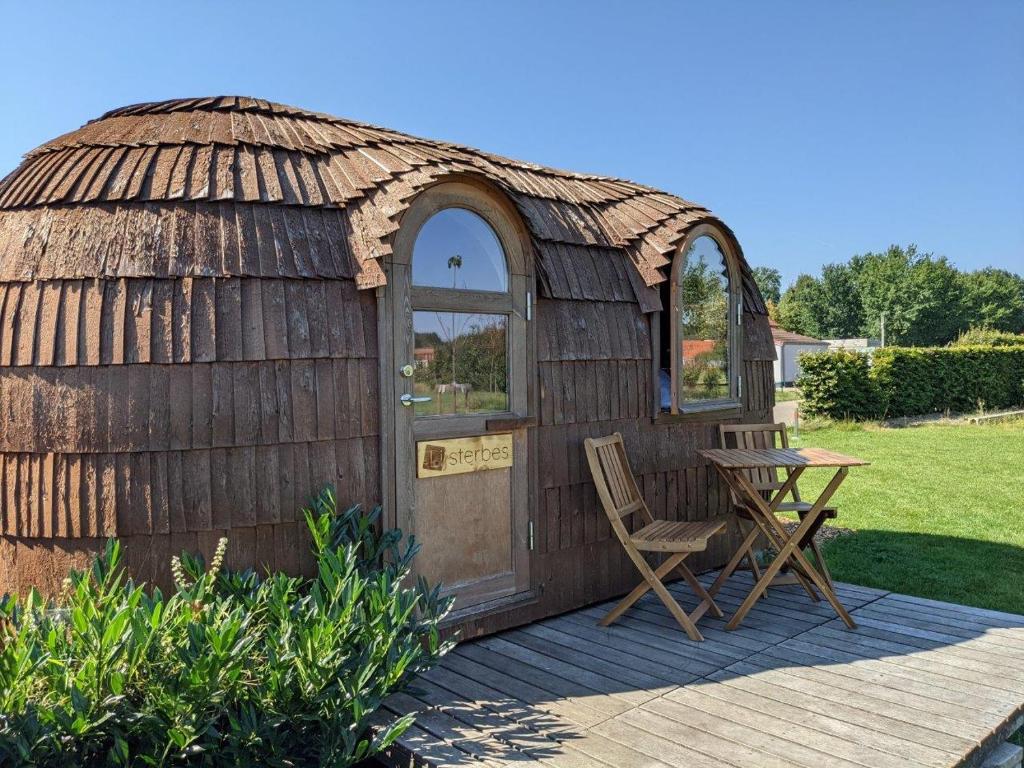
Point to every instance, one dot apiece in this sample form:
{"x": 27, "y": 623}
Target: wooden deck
{"x": 919, "y": 683}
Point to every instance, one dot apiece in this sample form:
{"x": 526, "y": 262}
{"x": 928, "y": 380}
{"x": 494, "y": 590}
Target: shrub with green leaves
{"x": 910, "y": 381}
{"x": 232, "y": 669}
{"x": 838, "y": 385}
{"x": 988, "y": 337}
{"x": 938, "y": 379}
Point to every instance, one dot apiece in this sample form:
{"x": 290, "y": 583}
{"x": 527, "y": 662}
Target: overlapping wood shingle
{"x": 218, "y": 154}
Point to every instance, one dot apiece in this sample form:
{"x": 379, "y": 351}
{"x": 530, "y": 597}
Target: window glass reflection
{"x": 703, "y": 297}
{"x": 456, "y": 248}
{"x": 461, "y": 362}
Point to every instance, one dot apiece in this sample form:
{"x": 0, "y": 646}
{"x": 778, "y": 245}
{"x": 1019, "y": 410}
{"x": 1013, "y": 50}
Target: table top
{"x": 754, "y": 458}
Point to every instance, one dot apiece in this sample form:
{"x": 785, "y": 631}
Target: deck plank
{"x": 751, "y": 636}
{"x": 638, "y": 667}
{"x": 908, "y": 642}
{"x": 845, "y": 724}
{"x": 561, "y": 668}
{"x": 645, "y": 744}
{"x": 934, "y": 660}
{"x": 920, "y": 684}
{"x": 834, "y": 737}
{"x": 727, "y": 728}
{"x": 682, "y": 740}
{"x": 977, "y": 643}
{"x": 627, "y": 646}
{"x": 574, "y": 711}
{"x": 892, "y": 688}
{"x": 854, "y": 707}
{"x": 939, "y": 686}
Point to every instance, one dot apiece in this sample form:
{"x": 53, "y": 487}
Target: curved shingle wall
{"x": 187, "y": 347}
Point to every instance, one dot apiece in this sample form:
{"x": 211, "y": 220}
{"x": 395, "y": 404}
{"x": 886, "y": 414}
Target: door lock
{"x": 407, "y": 371}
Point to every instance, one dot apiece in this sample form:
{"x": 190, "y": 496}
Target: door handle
{"x": 408, "y": 400}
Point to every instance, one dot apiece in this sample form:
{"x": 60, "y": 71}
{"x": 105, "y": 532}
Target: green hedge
{"x": 838, "y": 385}
{"x": 909, "y": 381}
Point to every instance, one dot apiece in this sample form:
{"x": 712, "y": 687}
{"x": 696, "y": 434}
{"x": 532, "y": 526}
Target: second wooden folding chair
{"x": 621, "y": 498}
{"x": 767, "y": 481}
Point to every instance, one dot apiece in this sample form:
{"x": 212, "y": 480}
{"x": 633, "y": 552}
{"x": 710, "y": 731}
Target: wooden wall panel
{"x": 585, "y": 330}
{"x": 47, "y": 495}
{"x": 174, "y": 239}
{"x": 169, "y": 411}
{"x": 757, "y": 337}
{"x": 583, "y": 273}
{"x": 27, "y": 562}
{"x": 140, "y": 320}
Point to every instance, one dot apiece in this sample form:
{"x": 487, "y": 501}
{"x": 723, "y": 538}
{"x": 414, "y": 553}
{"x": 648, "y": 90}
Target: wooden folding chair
{"x": 768, "y": 482}
{"x": 620, "y": 497}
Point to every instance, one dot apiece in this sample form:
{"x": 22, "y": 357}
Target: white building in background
{"x": 788, "y": 348}
{"x": 854, "y": 345}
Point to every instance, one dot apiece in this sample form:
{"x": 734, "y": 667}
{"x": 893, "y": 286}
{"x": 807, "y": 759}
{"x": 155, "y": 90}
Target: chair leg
{"x": 745, "y": 549}
{"x": 707, "y": 602}
{"x": 642, "y": 588}
{"x": 652, "y": 580}
{"x": 680, "y": 615}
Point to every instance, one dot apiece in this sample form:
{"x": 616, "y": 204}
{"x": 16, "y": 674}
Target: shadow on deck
{"x": 919, "y": 683}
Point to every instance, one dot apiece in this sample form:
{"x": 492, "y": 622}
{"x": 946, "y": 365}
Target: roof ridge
{"x": 277, "y": 109}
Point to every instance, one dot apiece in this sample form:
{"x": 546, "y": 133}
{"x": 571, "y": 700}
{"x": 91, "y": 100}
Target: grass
{"x": 479, "y": 402}
{"x": 786, "y": 394}
{"x": 939, "y": 513}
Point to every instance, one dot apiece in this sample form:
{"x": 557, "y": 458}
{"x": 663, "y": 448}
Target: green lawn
{"x": 939, "y": 513}
{"x": 786, "y": 394}
{"x": 480, "y": 401}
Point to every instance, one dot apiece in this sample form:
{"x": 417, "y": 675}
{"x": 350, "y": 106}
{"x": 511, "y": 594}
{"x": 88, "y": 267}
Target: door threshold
{"x": 496, "y": 605}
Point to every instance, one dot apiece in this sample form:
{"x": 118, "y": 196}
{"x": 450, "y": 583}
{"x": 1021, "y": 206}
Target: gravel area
{"x": 825, "y": 533}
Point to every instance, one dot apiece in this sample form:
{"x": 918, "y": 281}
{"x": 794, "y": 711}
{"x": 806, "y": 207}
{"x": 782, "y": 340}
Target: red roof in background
{"x": 780, "y": 336}
{"x": 693, "y": 348}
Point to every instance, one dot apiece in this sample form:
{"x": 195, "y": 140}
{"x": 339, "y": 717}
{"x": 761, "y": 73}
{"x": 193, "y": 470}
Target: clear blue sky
{"x": 815, "y": 129}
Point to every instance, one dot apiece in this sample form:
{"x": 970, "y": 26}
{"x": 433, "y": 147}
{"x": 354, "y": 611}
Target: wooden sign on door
{"x": 440, "y": 458}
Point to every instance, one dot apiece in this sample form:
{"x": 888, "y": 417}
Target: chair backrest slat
{"x": 620, "y": 496}
{"x": 757, "y": 436}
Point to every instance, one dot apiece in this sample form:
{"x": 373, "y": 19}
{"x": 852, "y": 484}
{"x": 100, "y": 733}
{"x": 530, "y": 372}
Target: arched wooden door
{"x": 459, "y": 375}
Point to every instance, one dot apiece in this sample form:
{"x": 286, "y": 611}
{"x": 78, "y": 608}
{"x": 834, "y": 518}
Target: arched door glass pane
{"x": 457, "y": 249}
{"x": 703, "y": 296}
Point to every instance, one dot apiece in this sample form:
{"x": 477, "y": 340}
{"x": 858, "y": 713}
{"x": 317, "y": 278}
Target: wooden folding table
{"x": 735, "y": 464}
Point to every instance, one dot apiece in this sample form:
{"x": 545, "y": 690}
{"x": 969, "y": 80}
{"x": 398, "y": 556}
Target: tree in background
{"x": 994, "y": 298}
{"x": 918, "y": 293}
{"x": 769, "y": 281}
{"x": 925, "y": 300}
{"x": 799, "y": 309}
{"x": 841, "y": 310}
{"x": 828, "y": 307}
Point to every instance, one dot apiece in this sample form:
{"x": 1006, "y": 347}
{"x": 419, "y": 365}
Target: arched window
{"x": 456, "y": 248}
{"x": 461, "y": 352}
{"x": 704, "y": 317}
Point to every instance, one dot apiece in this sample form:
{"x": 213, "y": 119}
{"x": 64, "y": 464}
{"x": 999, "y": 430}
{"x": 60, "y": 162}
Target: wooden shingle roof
{"x": 235, "y": 186}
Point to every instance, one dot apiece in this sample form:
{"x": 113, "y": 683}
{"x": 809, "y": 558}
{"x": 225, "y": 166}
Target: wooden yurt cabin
{"x": 212, "y": 307}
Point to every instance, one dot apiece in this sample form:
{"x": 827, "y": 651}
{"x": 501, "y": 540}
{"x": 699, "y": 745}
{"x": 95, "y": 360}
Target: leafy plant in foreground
{"x": 232, "y": 669}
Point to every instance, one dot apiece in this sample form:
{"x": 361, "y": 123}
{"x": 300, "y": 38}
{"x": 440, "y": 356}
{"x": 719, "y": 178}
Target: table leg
{"x": 745, "y": 549}
{"x": 778, "y": 537}
{"x": 773, "y": 530}
{"x": 789, "y": 549}
{"x": 794, "y": 551}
